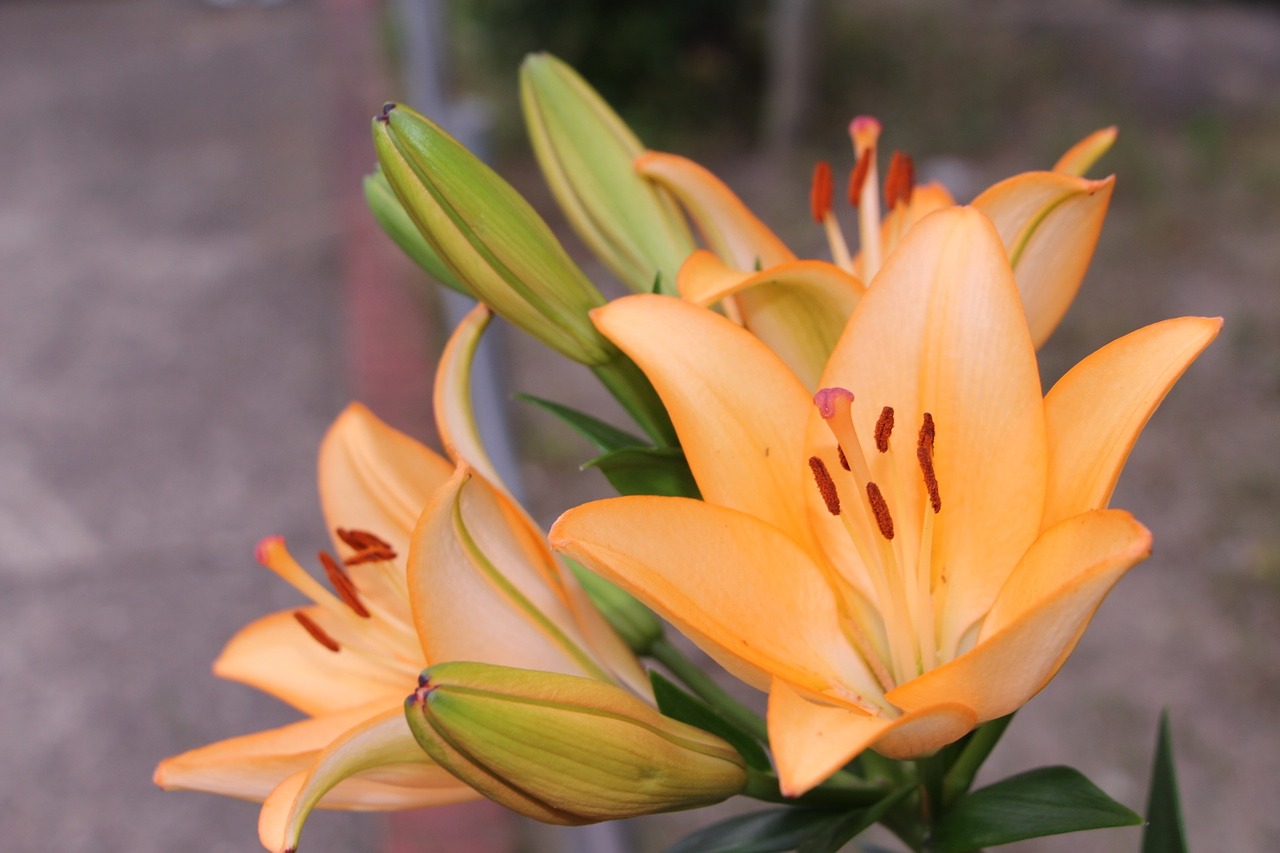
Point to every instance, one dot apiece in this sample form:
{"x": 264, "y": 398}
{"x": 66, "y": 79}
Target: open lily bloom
{"x": 434, "y": 562}
{"x": 1048, "y": 221}
{"x": 915, "y": 550}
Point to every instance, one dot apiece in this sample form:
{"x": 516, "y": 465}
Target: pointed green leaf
{"x": 679, "y": 705}
{"x": 772, "y": 831}
{"x": 634, "y": 622}
{"x": 1165, "y": 832}
{"x": 1045, "y": 801}
{"x": 647, "y": 471}
{"x": 603, "y": 437}
{"x": 831, "y": 837}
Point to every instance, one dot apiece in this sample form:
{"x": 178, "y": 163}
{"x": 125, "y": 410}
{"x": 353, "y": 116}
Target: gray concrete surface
{"x": 171, "y": 333}
{"x": 170, "y": 341}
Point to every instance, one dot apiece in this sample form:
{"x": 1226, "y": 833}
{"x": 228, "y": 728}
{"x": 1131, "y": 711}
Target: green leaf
{"x": 1165, "y": 832}
{"x": 679, "y": 705}
{"x": 777, "y": 830}
{"x": 1045, "y": 801}
{"x": 772, "y": 831}
{"x": 831, "y": 837}
{"x": 603, "y": 437}
{"x": 647, "y": 471}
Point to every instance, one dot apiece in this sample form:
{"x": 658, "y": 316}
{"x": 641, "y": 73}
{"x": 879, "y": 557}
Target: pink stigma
{"x": 827, "y": 398}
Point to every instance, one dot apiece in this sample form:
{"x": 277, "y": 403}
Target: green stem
{"x": 707, "y": 690}
{"x": 630, "y": 387}
{"x": 961, "y": 774}
{"x": 841, "y": 790}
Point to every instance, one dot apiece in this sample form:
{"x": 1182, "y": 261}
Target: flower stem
{"x": 707, "y": 690}
{"x": 630, "y": 387}
{"x": 841, "y": 789}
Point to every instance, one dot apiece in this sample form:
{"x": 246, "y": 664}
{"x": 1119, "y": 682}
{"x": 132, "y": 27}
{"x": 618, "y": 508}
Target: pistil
{"x": 865, "y": 133}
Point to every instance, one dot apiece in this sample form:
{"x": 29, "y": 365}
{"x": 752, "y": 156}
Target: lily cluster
{"x": 853, "y": 494}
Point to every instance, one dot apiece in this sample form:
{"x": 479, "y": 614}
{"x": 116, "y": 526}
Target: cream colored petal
{"x": 484, "y": 587}
{"x": 250, "y": 766}
{"x": 941, "y": 330}
{"x": 1080, "y": 157}
{"x": 1095, "y": 412}
{"x": 801, "y": 309}
{"x": 739, "y": 588}
{"x": 276, "y": 655}
{"x": 1049, "y": 223}
{"x": 376, "y": 478}
{"x": 738, "y": 410}
{"x": 812, "y": 736}
{"x": 455, "y": 415}
{"x": 1038, "y": 617}
{"x": 376, "y": 743}
{"x": 731, "y": 230}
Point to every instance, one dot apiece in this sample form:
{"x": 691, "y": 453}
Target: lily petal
{"x": 455, "y": 415}
{"x": 250, "y": 766}
{"x": 1096, "y": 411}
{"x": 276, "y": 655}
{"x": 941, "y": 330}
{"x": 1038, "y": 617}
{"x": 809, "y": 304}
{"x": 734, "y": 233}
{"x": 1049, "y": 223}
{"x": 739, "y": 588}
{"x": 376, "y": 478}
{"x": 739, "y": 411}
{"x": 381, "y": 741}
{"x": 925, "y": 199}
{"x": 1080, "y": 157}
{"x": 484, "y": 587}
{"x": 813, "y": 738}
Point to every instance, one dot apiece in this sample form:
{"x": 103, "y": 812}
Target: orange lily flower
{"x": 898, "y": 566}
{"x": 1049, "y": 222}
{"x": 435, "y": 562}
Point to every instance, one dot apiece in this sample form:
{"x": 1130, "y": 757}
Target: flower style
{"x": 915, "y": 550}
{"x": 435, "y": 562}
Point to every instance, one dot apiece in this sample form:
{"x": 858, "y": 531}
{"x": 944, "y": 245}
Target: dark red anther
{"x": 900, "y": 180}
{"x": 844, "y": 460}
{"x": 343, "y": 585}
{"x": 820, "y": 191}
{"x": 317, "y": 633}
{"x": 826, "y": 486}
{"x": 924, "y": 455}
{"x": 884, "y": 429}
{"x": 880, "y": 510}
{"x": 858, "y": 177}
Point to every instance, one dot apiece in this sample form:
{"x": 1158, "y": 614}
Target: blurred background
{"x": 191, "y": 290}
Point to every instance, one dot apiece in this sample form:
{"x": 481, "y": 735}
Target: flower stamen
{"x": 343, "y": 585}
{"x": 826, "y": 486}
{"x": 884, "y": 429}
{"x": 317, "y": 633}
{"x": 820, "y": 195}
{"x": 880, "y": 509}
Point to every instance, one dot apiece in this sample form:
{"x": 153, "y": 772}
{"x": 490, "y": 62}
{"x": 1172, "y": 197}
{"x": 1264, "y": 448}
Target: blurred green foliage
{"x": 666, "y": 65}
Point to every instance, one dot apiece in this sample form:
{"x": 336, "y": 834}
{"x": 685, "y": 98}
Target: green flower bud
{"x": 488, "y": 236}
{"x": 564, "y": 749}
{"x": 586, "y": 152}
{"x": 634, "y": 622}
{"x": 389, "y": 213}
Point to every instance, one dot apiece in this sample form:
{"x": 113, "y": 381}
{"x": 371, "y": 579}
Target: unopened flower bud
{"x": 564, "y": 749}
{"x": 586, "y": 153}
{"x": 488, "y": 236}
